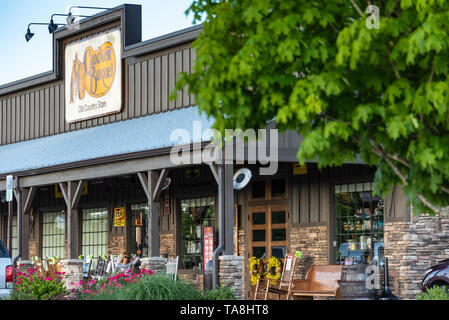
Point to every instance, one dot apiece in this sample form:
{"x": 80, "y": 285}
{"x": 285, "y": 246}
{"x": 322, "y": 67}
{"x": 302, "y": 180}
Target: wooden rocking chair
{"x": 266, "y": 287}
{"x": 38, "y": 264}
{"x": 100, "y": 269}
{"x": 286, "y": 279}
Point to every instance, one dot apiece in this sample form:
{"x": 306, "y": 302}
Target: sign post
{"x": 9, "y": 188}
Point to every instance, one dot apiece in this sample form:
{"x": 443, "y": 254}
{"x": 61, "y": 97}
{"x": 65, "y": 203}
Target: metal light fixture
{"x": 52, "y": 26}
{"x": 29, "y": 34}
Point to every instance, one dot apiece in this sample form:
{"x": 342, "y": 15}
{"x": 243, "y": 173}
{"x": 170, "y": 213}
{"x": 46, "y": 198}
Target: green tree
{"x": 348, "y": 89}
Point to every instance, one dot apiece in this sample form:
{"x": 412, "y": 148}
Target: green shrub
{"x": 147, "y": 287}
{"x": 221, "y": 293}
{"x": 30, "y": 286}
{"x": 434, "y": 293}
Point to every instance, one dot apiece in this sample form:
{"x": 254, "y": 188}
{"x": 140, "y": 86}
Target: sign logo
{"x": 95, "y": 74}
{"x": 93, "y": 77}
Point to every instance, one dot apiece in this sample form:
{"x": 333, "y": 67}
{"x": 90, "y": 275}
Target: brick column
{"x": 72, "y": 272}
{"x": 231, "y": 274}
{"x": 156, "y": 264}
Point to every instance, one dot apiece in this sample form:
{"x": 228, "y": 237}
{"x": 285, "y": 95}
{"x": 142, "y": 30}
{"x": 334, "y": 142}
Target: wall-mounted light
{"x": 70, "y": 19}
{"x": 29, "y": 34}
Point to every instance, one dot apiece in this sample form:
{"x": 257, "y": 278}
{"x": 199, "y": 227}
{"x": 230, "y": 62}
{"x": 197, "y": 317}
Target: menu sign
{"x": 208, "y": 239}
{"x": 93, "y": 77}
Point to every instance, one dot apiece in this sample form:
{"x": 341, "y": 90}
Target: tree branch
{"x": 377, "y": 150}
{"x": 356, "y": 7}
{"x": 396, "y": 72}
{"x": 432, "y": 71}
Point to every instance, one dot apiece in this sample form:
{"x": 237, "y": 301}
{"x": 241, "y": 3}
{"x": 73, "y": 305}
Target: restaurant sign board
{"x": 93, "y": 77}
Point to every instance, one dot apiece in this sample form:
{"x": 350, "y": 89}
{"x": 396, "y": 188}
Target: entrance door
{"x": 268, "y": 231}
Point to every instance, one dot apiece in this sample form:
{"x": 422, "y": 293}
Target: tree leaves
{"x": 315, "y": 67}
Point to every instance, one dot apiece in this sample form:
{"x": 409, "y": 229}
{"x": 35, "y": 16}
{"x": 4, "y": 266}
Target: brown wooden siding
{"x": 148, "y": 82}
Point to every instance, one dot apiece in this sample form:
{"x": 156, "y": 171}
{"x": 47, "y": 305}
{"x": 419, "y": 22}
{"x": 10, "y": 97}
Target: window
{"x": 139, "y": 225}
{"x": 95, "y": 232}
{"x": 195, "y": 215}
{"x": 359, "y": 233}
{"x": 53, "y": 234}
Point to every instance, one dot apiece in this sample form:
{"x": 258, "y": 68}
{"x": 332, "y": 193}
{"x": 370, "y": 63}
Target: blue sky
{"x": 20, "y": 59}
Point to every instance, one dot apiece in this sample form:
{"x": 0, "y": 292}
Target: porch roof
{"x": 139, "y": 134}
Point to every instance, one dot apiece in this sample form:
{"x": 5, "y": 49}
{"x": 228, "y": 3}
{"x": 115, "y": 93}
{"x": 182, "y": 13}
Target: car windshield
{"x": 3, "y": 251}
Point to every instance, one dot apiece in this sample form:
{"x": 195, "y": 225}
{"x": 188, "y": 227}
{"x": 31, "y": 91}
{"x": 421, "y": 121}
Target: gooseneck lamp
{"x": 29, "y": 34}
{"x": 52, "y": 26}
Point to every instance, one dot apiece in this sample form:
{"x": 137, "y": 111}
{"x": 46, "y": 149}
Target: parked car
{"x": 437, "y": 275}
{"x": 6, "y": 272}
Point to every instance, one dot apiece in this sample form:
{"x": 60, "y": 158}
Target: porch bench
{"x": 321, "y": 281}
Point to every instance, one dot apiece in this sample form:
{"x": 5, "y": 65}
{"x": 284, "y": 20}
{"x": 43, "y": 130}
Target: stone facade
{"x": 168, "y": 244}
{"x": 313, "y": 242}
{"x": 34, "y": 249}
{"x": 194, "y": 278}
{"x": 157, "y": 264}
{"x": 412, "y": 247}
{"x": 231, "y": 269}
{"x": 72, "y": 270}
{"x": 116, "y": 244}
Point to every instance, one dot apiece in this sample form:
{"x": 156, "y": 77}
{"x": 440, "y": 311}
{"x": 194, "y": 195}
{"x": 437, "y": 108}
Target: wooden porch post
{"x": 152, "y": 183}
{"x": 71, "y": 192}
{"x": 27, "y": 200}
{"x": 228, "y": 210}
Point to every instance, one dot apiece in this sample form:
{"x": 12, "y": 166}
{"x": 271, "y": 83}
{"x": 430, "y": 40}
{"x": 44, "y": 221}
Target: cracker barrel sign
{"x": 93, "y": 77}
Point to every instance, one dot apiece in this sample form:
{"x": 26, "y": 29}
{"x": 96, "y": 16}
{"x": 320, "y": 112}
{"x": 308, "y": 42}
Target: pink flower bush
{"x": 29, "y": 285}
{"x": 108, "y": 285}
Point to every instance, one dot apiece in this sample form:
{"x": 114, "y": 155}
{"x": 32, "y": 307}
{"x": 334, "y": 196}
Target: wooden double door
{"x": 268, "y": 226}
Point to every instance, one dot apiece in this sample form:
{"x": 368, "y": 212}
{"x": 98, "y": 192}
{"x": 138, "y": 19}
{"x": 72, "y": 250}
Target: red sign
{"x": 166, "y": 202}
{"x": 208, "y": 239}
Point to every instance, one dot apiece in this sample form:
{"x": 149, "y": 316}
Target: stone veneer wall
{"x": 116, "y": 244}
{"x": 231, "y": 269}
{"x": 168, "y": 244}
{"x": 194, "y": 278}
{"x": 72, "y": 270}
{"x": 34, "y": 249}
{"x": 412, "y": 247}
{"x": 313, "y": 242}
{"x": 157, "y": 264}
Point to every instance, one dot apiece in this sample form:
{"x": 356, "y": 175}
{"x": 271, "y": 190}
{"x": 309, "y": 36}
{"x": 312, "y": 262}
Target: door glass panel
{"x": 258, "y": 235}
{"x": 278, "y": 217}
{"x": 278, "y": 252}
{"x": 277, "y": 187}
{"x": 278, "y": 235}
{"x": 259, "y": 218}
{"x": 258, "y": 252}
{"x": 258, "y": 189}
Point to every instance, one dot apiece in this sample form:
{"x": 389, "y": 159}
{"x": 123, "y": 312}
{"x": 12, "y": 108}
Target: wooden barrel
{"x": 353, "y": 283}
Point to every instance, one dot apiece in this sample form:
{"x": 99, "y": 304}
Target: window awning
{"x": 140, "y": 134}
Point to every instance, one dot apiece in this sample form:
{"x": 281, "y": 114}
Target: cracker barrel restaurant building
{"x": 86, "y": 149}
